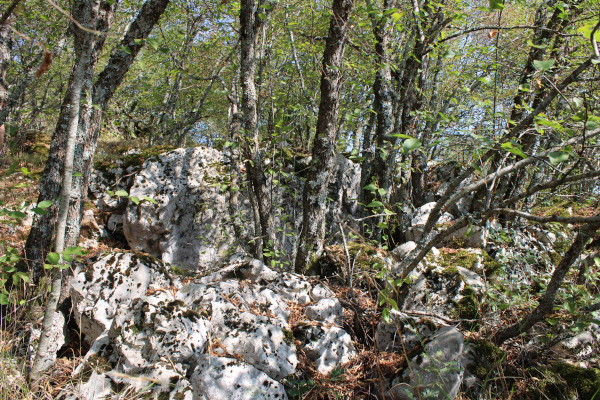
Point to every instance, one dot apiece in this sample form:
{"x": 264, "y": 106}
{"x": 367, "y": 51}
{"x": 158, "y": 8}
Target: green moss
{"x": 468, "y": 306}
{"x": 555, "y": 258}
{"x": 487, "y": 357}
{"x": 177, "y": 270}
{"x": 491, "y": 267}
{"x": 562, "y": 245}
{"x": 462, "y": 258}
{"x": 363, "y": 256}
{"x": 565, "y": 381}
{"x": 288, "y": 336}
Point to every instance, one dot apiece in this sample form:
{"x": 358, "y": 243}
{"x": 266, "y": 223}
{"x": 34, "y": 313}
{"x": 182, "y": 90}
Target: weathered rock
{"x": 110, "y": 284}
{"x": 326, "y": 310}
{"x": 438, "y": 370}
{"x": 220, "y": 378}
{"x": 329, "y": 348}
{"x": 191, "y": 225}
{"x": 401, "y": 333}
{"x": 159, "y": 328}
{"x": 402, "y": 251}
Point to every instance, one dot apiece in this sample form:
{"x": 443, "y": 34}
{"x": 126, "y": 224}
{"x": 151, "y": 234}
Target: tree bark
{"x": 103, "y": 90}
{"x": 314, "y": 197}
{"x": 43, "y": 358}
{"x": 40, "y": 236}
{"x": 250, "y": 24}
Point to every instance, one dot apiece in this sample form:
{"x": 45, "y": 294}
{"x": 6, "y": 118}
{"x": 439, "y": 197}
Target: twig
{"x": 8, "y": 11}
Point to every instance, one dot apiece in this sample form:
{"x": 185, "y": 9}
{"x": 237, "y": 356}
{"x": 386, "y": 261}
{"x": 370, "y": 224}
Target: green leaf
{"x": 546, "y": 122}
{"x": 121, "y": 193}
{"x": 39, "y": 211}
{"x": 53, "y": 258}
{"x": 410, "y": 144}
{"x": 153, "y": 43}
{"x": 449, "y": 54}
{"x": 16, "y": 214}
{"x": 557, "y": 157}
{"x": 511, "y": 148}
{"x": 496, "y": 5}
{"x": 591, "y": 125}
{"x": 151, "y": 200}
{"x": 79, "y": 173}
{"x": 385, "y": 315}
{"x": 126, "y": 49}
{"x": 134, "y": 199}
{"x": 138, "y": 41}
{"x": 45, "y": 204}
{"x": 375, "y": 204}
{"x": 543, "y": 65}
{"x": 381, "y": 191}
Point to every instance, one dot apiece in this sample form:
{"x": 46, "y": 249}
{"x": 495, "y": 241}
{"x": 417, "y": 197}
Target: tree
{"x": 314, "y": 197}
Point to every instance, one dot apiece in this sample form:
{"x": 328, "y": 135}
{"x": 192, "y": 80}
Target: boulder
{"x": 329, "y": 348}
{"x": 220, "y": 378}
{"x": 191, "y": 224}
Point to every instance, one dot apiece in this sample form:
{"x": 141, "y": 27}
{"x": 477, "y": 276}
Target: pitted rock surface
{"x": 143, "y": 317}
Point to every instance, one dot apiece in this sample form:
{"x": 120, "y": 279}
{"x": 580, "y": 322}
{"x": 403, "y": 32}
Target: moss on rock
{"x": 561, "y": 381}
{"x": 486, "y": 356}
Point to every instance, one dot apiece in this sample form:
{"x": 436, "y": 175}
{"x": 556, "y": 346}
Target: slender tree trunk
{"x": 43, "y": 358}
{"x": 40, "y": 236}
{"x": 103, "y": 90}
{"x": 320, "y": 173}
{"x": 250, "y": 24}
{"x": 4, "y": 63}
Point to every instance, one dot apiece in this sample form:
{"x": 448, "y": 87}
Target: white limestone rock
{"x": 153, "y": 329}
{"x": 112, "y": 283}
{"x": 220, "y": 378}
{"x": 329, "y": 348}
{"x": 326, "y": 310}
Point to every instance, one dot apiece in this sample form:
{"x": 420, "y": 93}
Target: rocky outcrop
{"x": 225, "y": 335}
{"x": 191, "y": 224}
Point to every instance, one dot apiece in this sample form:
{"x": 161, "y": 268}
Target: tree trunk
{"x": 314, "y": 198}
{"x": 43, "y": 358}
{"x": 250, "y": 24}
{"x": 107, "y": 83}
{"x": 40, "y": 236}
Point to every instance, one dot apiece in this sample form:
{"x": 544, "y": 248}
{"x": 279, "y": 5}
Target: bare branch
{"x": 552, "y": 218}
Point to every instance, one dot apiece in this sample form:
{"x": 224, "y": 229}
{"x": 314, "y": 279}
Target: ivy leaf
{"x": 511, "y": 148}
{"x": 557, "y": 157}
{"x": 496, "y": 5}
{"x": 385, "y": 315}
{"x": 16, "y": 214}
{"x": 543, "y": 65}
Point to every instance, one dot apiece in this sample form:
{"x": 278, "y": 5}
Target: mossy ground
{"x": 560, "y": 381}
{"x": 487, "y": 357}
{"x": 363, "y": 256}
{"x": 468, "y": 259}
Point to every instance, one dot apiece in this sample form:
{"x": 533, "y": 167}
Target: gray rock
{"x": 401, "y": 333}
{"x": 219, "y": 378}
{"x": 110, "y": 284}
{"x": 402, "y": 251}
{"x": 330, "y": 348}
{"x": 148, "y": 331}
{"x": 326, "y": 310}
{"x": 438, "y": 370}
